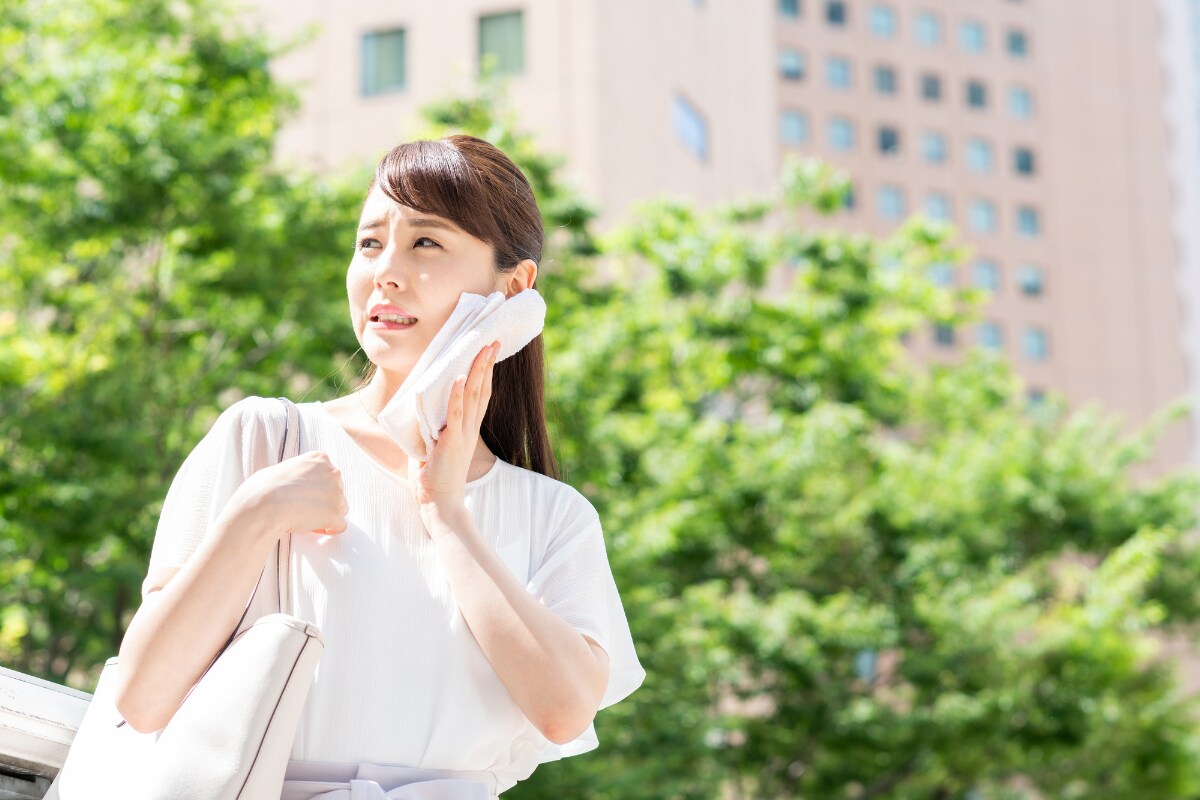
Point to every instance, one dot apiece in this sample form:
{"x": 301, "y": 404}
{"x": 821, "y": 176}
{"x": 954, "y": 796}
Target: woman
{"x": 471, "y": 621}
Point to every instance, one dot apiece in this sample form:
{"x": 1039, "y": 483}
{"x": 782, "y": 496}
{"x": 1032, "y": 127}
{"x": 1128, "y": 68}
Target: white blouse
{"x": 402, "y": 680}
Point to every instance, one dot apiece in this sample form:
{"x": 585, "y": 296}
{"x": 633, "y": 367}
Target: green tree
{"x": 151, "y": 263}
{"x": 848, "y": 575}
{"x": 851, "y": 575}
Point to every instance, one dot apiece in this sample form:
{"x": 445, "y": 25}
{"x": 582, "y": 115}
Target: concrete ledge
{"x": 38, "y": 721}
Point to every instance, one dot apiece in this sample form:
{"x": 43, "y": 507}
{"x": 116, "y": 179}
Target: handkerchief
{"x": 417, "y": 411}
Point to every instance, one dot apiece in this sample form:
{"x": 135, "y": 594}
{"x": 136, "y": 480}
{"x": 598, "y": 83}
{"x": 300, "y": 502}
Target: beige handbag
{"x": 232, "y": 735}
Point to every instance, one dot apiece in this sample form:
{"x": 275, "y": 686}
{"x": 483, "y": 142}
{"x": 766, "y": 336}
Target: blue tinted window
{"x": 987, "y": 275}
{"x": 1035, "y": 344}
{"x": 837, "y": 72}
{"x": 982, "y": 216}
{"x": 972, "y": 36}
{"x": 979, "y": 156}
{"x": 891, "y": 202}
{"x": 841, "y": 134}
{"x": 933, "y": 147}
{"x": 383, "y": 62}
{"x": 883, "y": 21}
{"x": 928, "y": 28}
{"x": 690, "y": 126}
{"x": 1031, "y": 280}
{"x": 1020, "y": 103}
{"x": 937, "y": 206}
{"x": 1028, "y": 221}
{"x": 794, "y": 126}
{"x": 885, "y": 80}
{"x": 502, "y": 39}
{"x": 989, "y": 335}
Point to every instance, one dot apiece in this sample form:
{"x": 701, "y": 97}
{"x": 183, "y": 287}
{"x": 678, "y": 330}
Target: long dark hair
{"x": 473, "y": 183}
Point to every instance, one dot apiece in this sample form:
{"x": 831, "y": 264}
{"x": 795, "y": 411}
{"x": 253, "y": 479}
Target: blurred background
{"x": 873, "y": 334}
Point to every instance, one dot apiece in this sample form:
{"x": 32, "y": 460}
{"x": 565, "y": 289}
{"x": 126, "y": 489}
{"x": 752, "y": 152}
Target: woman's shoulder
{"x": 560, "y": 496}
{"x": 252, "y": 411}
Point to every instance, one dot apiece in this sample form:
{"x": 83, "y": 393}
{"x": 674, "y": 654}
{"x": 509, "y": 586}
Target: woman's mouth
{"x": 391, "y": 322}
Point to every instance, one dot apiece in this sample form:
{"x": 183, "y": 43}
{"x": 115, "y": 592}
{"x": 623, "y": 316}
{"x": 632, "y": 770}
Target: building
{"x": 1060, "y": 138}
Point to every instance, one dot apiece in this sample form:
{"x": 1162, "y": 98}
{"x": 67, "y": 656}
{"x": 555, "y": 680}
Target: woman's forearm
{"x": 554, "y": 674}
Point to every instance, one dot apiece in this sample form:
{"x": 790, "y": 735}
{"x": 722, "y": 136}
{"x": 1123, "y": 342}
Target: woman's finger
{"x": 486, "y": 395}
{"x": 473, "y": 388}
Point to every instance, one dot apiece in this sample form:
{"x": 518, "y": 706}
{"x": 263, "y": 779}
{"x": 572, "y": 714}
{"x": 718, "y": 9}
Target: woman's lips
{"x": 388, "y": 325}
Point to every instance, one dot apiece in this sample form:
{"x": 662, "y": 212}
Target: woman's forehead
{"x": 380, "y": 208}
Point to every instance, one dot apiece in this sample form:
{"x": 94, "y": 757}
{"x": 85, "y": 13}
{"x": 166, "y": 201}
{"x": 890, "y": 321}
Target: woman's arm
{"x": 555, "y": 674}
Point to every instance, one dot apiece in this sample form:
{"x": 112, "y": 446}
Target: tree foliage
{"x": 849, "y": 575}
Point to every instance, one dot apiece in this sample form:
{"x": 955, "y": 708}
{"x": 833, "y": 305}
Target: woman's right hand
{"x": 297, "y": 495}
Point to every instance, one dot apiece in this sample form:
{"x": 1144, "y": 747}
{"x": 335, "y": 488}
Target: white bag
{"x": 231, "y": 737}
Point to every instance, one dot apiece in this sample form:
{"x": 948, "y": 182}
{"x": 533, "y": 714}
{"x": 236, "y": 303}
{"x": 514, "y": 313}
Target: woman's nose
{"x": 390, "y": 269}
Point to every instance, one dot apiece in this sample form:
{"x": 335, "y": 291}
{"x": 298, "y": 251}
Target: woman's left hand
{"x": 440, "y": 480}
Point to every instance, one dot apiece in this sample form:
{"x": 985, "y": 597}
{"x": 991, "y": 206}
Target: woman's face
{"x": 420, "y": 263}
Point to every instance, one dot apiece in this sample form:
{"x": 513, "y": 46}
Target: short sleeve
{"x": 575, "y": 581}
{"x": 240, "y": 442}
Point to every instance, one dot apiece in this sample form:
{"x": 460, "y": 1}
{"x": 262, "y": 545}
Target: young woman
{"x": 471, "y": 620}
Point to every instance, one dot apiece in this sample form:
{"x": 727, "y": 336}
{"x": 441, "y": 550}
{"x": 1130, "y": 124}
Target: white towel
{"x": 417, "y": 411}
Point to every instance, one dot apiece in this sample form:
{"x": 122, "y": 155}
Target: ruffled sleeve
{"x": 576, "y": 582}
{"x": 240, "y": 442}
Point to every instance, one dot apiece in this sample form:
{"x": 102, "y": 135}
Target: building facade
{"x": 1058, "y": 137}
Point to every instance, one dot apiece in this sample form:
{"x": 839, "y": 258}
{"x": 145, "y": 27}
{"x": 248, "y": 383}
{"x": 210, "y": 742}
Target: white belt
{"x": 319, "y": 781}
{"x": 442, "y": 789}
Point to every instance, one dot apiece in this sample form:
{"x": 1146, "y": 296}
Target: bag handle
{"x": 289, "y": 448}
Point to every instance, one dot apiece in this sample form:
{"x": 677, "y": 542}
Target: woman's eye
{"x": 417, "y": 243}
{"x": 362, "y": 243}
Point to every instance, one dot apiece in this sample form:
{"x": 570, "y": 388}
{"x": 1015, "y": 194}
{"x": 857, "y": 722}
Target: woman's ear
{"x": 520, "y": 278}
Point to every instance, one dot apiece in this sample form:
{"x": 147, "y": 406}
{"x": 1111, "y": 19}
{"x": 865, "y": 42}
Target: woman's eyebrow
{"x": 416, "y": 222}
{"x": 428, "y": 222}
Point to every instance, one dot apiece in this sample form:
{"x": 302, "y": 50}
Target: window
{"x": 1020, "y": 103}
{"x": 943, "y": 335}
{"x": 940, "y": 273}
{"x": 835, "y": 12}
{"x": 889, "y": 141}
{"x": 982, "y": 216}
{"x": 791, "y": 64}
{"x": 979, "y": 156}
{"x": 891, "y": 202}
{"x": 1028, "y": 221}
{"x": 937, "y": 206}
{"x": 885, "y": 80}
{"x": 931, "y": 87}
{"x": 383, "y": 67}
{"x": 789, "y": 8}
{"x": 1034, "y": 343}
{"x": 794, "y": 126}
{"x": 1018, "y": 43}
{"x": 972, "y": 37}
{"x": 933, "y": 147}
{"x": 837, "y": 72}
{"x": 1031, "y": 280}
{"x": 502, "y": 38}
{"x": 976, "y": 94}
{"x": 1023, "y": 161}
{"x": 849, "y": 200}
{"x": 841, "y": 134}
{"x": 989, "y": 335}
{"x": 986, "y": 275}
{"x": 883, "y": 21}
{"x": 691, "y": 127}
{"x": 1035, "y": 397}
{"x": 928, "y": 28}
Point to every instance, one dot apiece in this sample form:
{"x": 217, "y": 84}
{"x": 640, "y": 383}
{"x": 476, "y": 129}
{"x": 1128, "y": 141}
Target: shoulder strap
{"x": 281, "y": 575}
{"x": 283, "y": 548}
